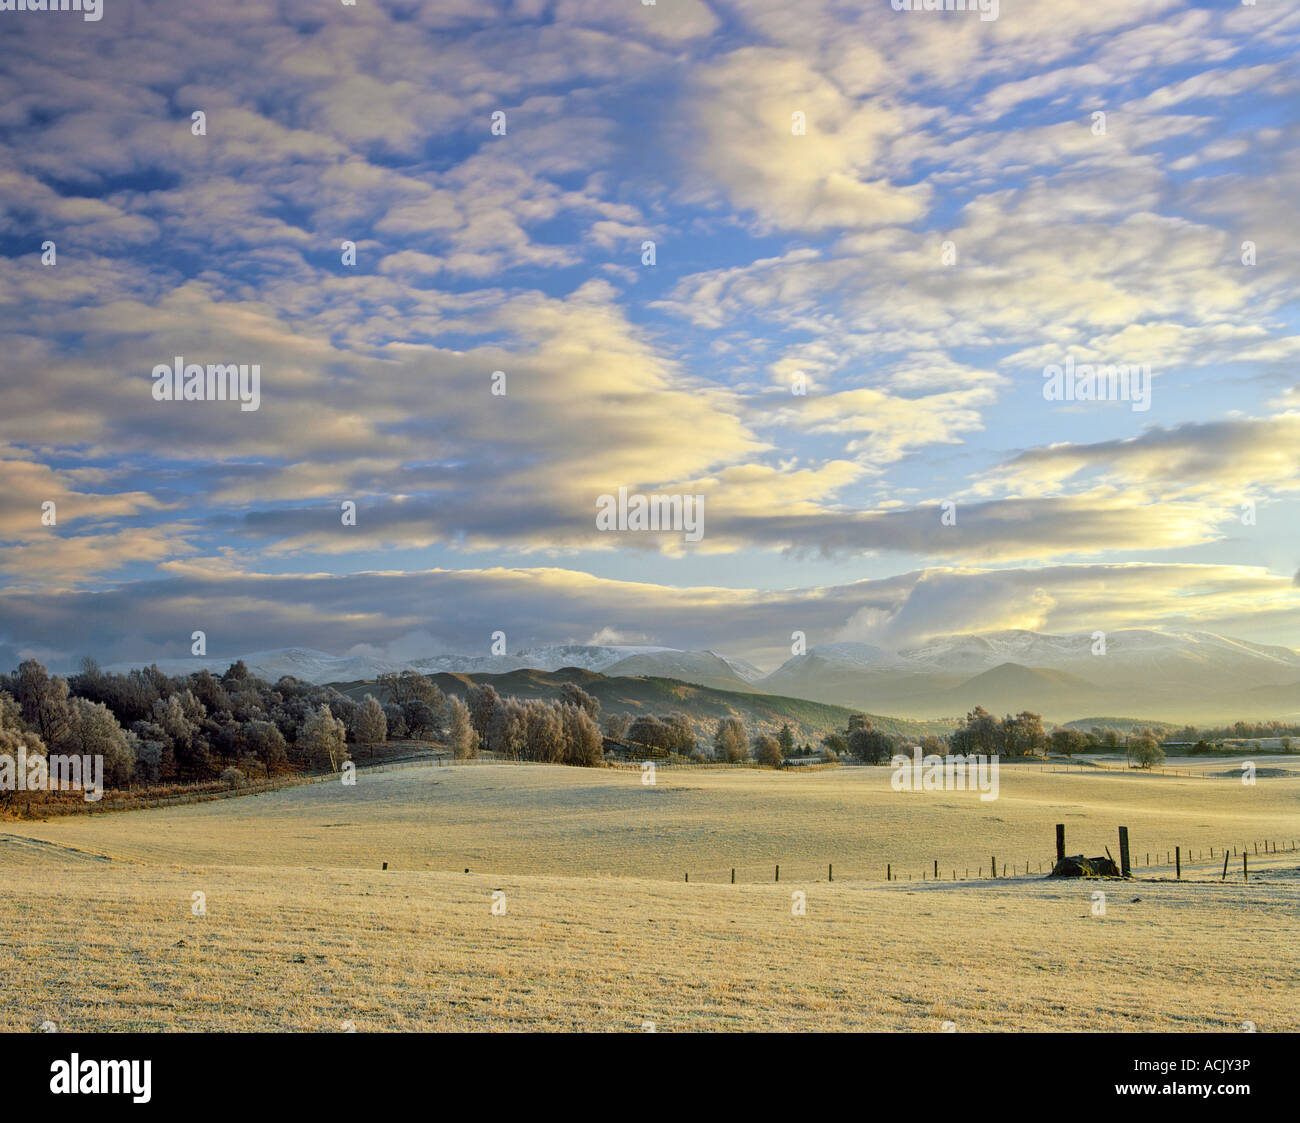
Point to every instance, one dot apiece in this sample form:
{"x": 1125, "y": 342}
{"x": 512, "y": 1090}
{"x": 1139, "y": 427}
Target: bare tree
{"x": 323, "y": 739}
{"x": 44, "y": 701}
{"x": 616, "y": 725}
{"x": 14, "y": 737}
{"x": 464, "y": 737}
{"x": 482, "y": 700}
{"x": 370, "y": 723}
{"x": 572, "y": 694}
{"x": 93, "y": 731}
{"x": 543, "y": 732}
{"x": 767, "y": 750}
{"x": 729, "y": 741}
{"x": 584, "y": 744}
{"x": 507, "y": 730}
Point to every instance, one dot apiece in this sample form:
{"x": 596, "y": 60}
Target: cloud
{"x": 825, "y": 253}
{"x": 1222, "y": 461}
{"x": 1077, "y": 598}
{"x": 820, "y": 172}
{"x": 62, "y": 561}
{"x": 26, "y": 485}
{"x": 391, "y": 612}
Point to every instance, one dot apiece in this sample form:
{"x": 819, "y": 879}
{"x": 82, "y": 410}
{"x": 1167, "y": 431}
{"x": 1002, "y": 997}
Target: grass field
{"x": 304, "y": 931}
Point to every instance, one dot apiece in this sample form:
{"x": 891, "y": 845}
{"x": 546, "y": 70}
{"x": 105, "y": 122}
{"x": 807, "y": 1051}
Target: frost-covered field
{"x": 302, "y": 929}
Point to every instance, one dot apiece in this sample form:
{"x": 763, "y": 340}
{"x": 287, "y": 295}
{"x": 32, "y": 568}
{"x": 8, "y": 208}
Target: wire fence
{"x": 1103, "y": 769}
{"x": 1177, "y": 861}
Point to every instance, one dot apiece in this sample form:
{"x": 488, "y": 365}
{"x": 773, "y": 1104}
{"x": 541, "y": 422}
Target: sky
{"x": 808, "y": 262}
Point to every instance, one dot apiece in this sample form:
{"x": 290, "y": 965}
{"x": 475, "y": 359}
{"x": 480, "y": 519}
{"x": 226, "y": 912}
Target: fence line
{"x": 1101, "y": 768}
{"x": 930, "y": 871}
{"x": 759, "y": 873}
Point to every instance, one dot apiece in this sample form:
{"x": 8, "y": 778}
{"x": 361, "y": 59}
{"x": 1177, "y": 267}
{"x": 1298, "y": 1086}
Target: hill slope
{"x": 703, "y": 705}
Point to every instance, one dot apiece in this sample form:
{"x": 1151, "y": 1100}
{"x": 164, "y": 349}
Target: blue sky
{"x": 780, "y": 252}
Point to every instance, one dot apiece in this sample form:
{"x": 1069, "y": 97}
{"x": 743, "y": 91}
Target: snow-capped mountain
{"x": 321, "y": 667}
{"x": 300, "y": 662}
{"x": 1141, "y": 671}
{"x": 1159, "y": 658}
{"x": 588, "y": 657}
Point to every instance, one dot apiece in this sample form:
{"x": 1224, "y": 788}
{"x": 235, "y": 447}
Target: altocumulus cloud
{"x": 907, "y": 218}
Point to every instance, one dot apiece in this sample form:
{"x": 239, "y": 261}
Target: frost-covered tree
{"x": 464, "y": 737}
{"x": 323, "y": 740}
{"x": 370, "y": 726}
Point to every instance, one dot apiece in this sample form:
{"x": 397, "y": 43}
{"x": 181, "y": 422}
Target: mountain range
{"x": 1165, "y": 676}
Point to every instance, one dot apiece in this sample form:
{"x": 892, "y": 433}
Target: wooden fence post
{"x": 1223, "y": 875}
{"x": 1245, "y": 876}
{"x": 994, "y": 865}
{"x": 1124, "y": 868}
{"x": 1060, "y": 842}
{"x": 733, "y": 875}
{"x": 1178, "y": 863}
{"x": 778, "y": 873}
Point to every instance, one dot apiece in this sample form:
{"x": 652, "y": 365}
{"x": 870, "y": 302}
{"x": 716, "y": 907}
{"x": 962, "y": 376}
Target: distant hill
{"x": 704, "y": 668}
{"x": 703, "y": 705}
{"x": 1120, "y": 725}
{"x": 1276, "y": 701}
{"x": 1010, "y": 688}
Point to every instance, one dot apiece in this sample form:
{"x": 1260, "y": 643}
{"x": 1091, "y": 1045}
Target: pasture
{"x": 302, "y": 929}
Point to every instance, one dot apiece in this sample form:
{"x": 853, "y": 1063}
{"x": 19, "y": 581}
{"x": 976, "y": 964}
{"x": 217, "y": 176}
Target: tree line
{"x": 563, "y": 731}
{"x": 982, "y": 733}
{"x": 1240, "y": 730}
{"x": 152, "y": 728}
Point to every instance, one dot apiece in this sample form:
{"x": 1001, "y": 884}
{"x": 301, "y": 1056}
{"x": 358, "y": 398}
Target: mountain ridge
{"x": 1174, "y": 676}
